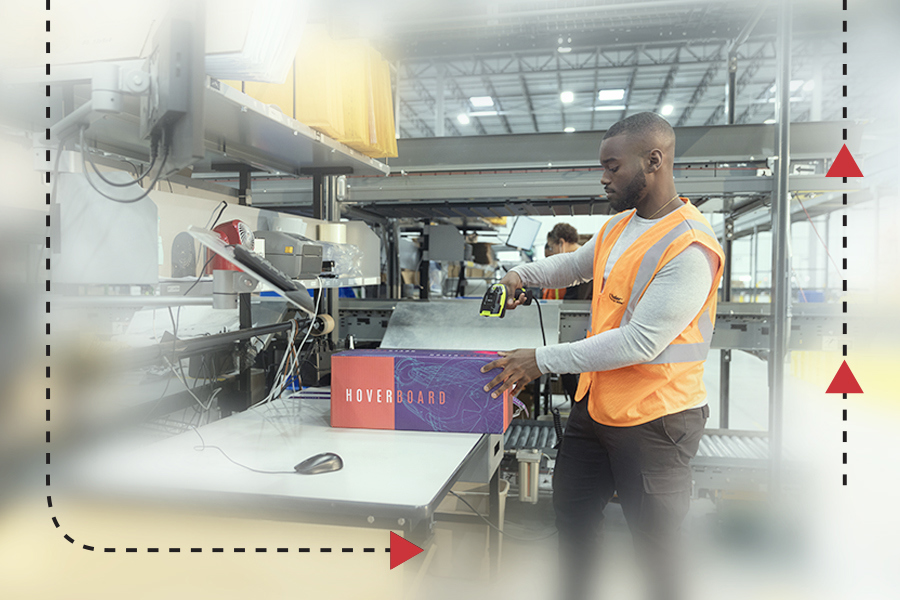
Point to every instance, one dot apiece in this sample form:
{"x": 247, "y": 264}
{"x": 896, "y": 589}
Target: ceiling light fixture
{"x": 611, "y": 107}
{"x": 463, "y": 118}
{"x": 481, "y": 101}
{"x": 569, "y": 130}
{"x": 667, "y": 110}
{"x": 567, "y": 97}
{"x": 615, "y": 94}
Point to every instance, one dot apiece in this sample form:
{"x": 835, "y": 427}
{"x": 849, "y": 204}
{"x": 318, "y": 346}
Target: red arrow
{"x": 844, "y": 165}
{"x": 844, "y": 382}
{"x": 402, "y": 550}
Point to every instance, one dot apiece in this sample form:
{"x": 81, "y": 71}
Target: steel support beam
{"x": 699, "y": 92}
{"x": 628, "y": 89}
{"x": 469, "y": 69}
{"x": 493, "y": 93}
{"x": 459, "y": 95}
{"x": 527, "y": 151}
{"x": 781, "y": 284}
{"x": 325, "y": 208}
{"x": 725, "y": 353}
{"x": 439, "y": 105}
{"x": 667, "y": 84}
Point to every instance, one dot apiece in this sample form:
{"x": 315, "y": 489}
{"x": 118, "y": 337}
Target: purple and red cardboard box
{"x": 416, "y": 390}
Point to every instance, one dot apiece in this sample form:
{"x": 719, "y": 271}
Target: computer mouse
{"x": 320, "y": 463}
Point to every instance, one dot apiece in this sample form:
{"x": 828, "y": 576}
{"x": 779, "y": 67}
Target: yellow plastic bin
{"x": 462, "y": 548}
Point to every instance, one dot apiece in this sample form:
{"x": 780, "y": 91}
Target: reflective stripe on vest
{"x": 612, "y": 223}
{"x": 682, "y": 353}
{"x": 651, "y": 259}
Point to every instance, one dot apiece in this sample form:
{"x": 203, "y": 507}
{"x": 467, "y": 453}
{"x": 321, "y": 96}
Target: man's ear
{"x": 654, "y": 159}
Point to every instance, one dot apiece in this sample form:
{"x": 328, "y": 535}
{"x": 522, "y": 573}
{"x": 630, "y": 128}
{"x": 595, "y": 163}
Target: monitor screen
{"x": 523, "y": 233}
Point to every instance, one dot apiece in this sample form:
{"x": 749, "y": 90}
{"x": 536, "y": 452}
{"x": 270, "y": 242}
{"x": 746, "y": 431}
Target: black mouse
{"x": 320, "y": 463}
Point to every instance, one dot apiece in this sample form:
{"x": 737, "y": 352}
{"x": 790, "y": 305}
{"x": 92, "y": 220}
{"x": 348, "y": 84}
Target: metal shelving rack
{"x": 240, "y": 135}
{"x": 239, "y": 131}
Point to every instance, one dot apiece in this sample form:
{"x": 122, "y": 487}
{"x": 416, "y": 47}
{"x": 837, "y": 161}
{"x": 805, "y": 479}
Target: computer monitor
{"x": 173, "y": 110}
{"x": 523, "y": 233}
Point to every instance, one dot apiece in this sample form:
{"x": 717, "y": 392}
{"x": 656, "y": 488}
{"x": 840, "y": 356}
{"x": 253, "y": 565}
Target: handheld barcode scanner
{"x": 494, "y": 302}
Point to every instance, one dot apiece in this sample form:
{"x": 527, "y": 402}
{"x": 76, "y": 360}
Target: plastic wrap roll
{"x": 327, "y": 322}
{"x": 333, "y": 232}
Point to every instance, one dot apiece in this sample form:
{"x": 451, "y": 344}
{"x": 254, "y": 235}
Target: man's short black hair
{"x": 642, "y": 124}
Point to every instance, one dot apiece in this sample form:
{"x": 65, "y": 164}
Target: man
{"x": 642, "y": 408}
{"x": 551, "y": 293}
{"x": 561, "y": 239}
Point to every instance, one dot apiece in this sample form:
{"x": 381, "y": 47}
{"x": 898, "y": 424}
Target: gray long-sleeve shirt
{"x": 672, "y": 300}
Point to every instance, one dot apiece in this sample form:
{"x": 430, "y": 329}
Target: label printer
{"x": 296, "y": 256}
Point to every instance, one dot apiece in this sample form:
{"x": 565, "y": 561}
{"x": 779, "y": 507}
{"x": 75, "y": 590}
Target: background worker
{"x": 641, "y": 406}
{"x": 551, "y": 293}
{"x": 563, "y": 238}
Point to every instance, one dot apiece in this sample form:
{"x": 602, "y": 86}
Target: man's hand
{"x": 519, "y": 368}
{"x": 513, "y": 282}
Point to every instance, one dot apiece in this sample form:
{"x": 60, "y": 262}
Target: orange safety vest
{"x": 553, "y": 294}
{"x": 672, "y": 381}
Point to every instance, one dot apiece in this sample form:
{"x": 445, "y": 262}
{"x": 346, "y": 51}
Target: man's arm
{"x": 560, "y": 270}
{"x": 672, "y": 300}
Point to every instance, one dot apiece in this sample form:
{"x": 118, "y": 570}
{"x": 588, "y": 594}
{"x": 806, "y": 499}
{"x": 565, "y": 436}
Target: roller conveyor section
{"x": 533, "y": 438}
{"x": 525, "y": 434}
{"x": 704, "y": 449}
{"x": 512, "y": 436}
{"x": 542, "y": 438}
{"x": 715, "y": 444}
{"x": 750, "y": 450}
{"x": 726, "y": 460}
{"x": 731, "y": 460}
{"x": 521, "y": 438}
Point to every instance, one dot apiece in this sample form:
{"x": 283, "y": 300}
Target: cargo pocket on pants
{"x": 666, "y": 498}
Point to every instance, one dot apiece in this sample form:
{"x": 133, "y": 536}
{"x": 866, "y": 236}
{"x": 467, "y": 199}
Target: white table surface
{"x": 395, "y": 470}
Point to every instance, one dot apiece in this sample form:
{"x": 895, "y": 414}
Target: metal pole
{"x": 439, "y": 105}
{"x": 494, "y": 517}
{"x": 730, "y": 89}
{"x": 754, "y": 260}
{"x": 781, "y": 319}
{"x": 396, "y": 278}
{"x": 825, "y": 257}
{"x": 244, "y": 193}
{"x": 245, "y": 397}
{"x": 245, "y": 320}
{"x": 325, "y": 208}
{"x": 424, "y": 267}
{"x": 725, "y": 353}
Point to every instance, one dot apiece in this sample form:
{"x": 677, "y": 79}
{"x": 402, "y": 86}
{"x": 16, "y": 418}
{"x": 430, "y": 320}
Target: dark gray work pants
{"x": 648, "y": 467}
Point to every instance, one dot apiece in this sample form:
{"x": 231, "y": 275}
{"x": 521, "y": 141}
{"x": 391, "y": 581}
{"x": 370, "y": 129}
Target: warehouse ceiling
{"x": 479, "y": 67}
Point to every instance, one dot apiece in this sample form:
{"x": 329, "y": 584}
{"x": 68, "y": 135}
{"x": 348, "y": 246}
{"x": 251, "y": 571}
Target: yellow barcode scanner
{"x": 494, "y": 302}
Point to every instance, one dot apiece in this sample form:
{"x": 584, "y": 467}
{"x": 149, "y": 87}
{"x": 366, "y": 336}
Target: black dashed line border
{"x": 47, "y": 372}
{"x": 67, "y": 537}
{"x": 844, "y": 240}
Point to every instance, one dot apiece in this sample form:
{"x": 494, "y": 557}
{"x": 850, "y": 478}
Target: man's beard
{"x": 627, "y": 198}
